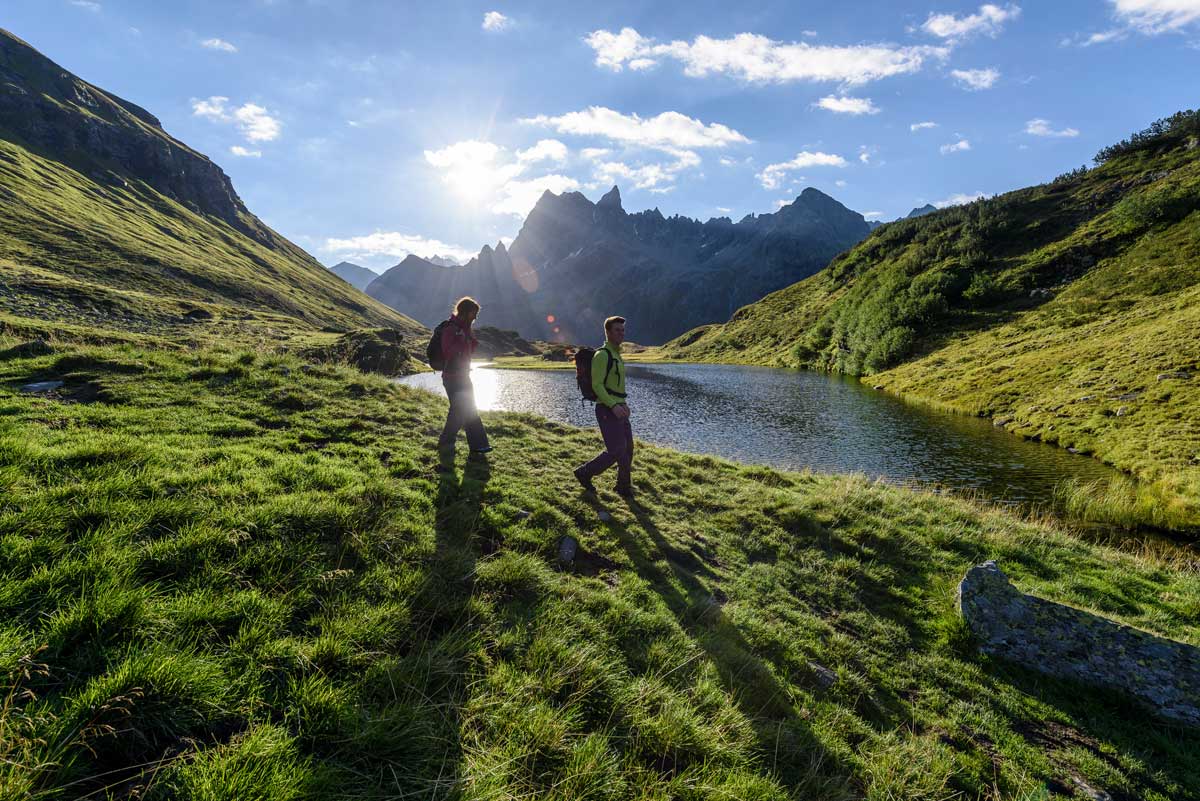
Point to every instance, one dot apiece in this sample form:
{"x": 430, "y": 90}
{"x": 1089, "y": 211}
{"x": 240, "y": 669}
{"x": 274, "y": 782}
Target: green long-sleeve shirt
{"x": 610, "y": 392}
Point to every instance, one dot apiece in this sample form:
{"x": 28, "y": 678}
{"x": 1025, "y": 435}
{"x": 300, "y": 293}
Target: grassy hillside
{"x": 232, "y": 575}
{"x": 1058, "y": 310}
{"x": 121, "y": 256}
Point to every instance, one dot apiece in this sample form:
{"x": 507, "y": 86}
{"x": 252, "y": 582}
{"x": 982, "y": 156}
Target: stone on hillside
{"x": 1192, "y": 143}
{"x": 373, "y": 350}
{"x": 41, "y": 386}
{"x": 1069, "y": 643}
{"x": 28, "y": 350}
{"x": 568, "y": 546}
{"x": 826, "y": 678}
{"x": 1001, "y": 422}
{"x": 196, "y": 315}
{"x": 1182, "y": 375}
{"x": 1122, "y": 411}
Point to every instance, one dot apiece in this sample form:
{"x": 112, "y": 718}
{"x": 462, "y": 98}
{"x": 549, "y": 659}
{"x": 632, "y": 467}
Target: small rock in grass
{"x": 41, "y": 386}
{"x": 568, "y": 546}
{"x": 1122, "y": 411}
{"x": 604, "y": 516}
{"x": 1182, "y": 375}
{"x": 1001, "y": 422}
{"x": 826, "y": 678}
{"x": 28, "y": 350}
{"x": 523, "y": 514}
{"x": 1072, "y": 450}
{"x": 878, "y": 386}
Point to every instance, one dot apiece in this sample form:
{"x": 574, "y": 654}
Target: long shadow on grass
{"x": 788, "y": 747}
{"x": 441, "y": 611}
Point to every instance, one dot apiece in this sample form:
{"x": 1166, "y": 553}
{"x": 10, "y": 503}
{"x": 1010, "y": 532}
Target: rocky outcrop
{"x": 1069, "y": 643}
{"x": 575, "y": 262}
{"x": 50, "y": 111}
{"x": 375, "y": 350}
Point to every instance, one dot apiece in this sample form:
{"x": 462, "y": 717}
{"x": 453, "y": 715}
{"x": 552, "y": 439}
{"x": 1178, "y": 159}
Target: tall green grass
{"x": 232, "y": 575}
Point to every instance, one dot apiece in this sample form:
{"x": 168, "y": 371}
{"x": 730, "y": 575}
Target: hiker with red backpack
{"x": 602, "y": 379}
{"x": 449, "y": 350}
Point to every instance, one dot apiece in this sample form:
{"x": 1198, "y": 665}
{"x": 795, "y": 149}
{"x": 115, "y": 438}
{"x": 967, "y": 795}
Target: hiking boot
{"x": 479, "y": 455}
{"x": 584, "y": 480}
{"x": 625, "y": 491}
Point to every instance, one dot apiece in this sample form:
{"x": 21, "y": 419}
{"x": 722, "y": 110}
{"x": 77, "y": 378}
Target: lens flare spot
{"x": 550, "y": 318}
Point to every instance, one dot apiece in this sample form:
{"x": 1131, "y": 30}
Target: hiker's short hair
{"x": 611, "y": 321}
{"x": 464, "y": 305}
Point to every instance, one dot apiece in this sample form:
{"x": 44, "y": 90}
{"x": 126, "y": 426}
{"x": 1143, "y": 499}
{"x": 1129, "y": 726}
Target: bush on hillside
{"x": 1150, "y": 208}
{"x": 1168, "y": 130}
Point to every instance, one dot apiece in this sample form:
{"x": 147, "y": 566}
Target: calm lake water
{"x": 795, "y": 419}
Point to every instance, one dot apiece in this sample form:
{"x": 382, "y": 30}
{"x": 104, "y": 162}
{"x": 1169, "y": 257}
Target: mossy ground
{"x": 234, "y": 575}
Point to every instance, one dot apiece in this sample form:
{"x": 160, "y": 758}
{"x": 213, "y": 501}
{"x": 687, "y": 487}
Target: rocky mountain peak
{"x": 611, "y": 200}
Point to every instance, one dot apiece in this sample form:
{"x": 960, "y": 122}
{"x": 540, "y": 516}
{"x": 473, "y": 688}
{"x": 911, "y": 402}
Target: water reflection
{"x": 795, "y": 420}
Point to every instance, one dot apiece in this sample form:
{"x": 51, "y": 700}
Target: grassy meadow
{"x": 229, "y": 574}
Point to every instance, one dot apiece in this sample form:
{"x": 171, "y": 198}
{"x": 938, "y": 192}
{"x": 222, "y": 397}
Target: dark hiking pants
{"x": 618, "y": 446}
{"x": 463, "y": 414}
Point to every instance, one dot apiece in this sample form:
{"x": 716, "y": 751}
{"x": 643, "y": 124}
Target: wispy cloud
{"x": 773, "y": 175}
{"x": 873, "y": 215}
{"x": 958, "y": 199}
{"x": 495, "y": 21}
{"x": 545, "y": 150}
{"x": 976, "y": 79}
{"x": 1157, "y": 16}
{"x": 956, "y": 147}
{"x": 669, "y": 130}
{"x": 988, "y": 21}
{"x": 219, "y": 44}
{"x": 848, "y": 105}
{"x": 1040, "y": 127}
{"x": 253, "y": 120}
{"x": 242, "y": 152}
{"x": 593, "y": 153}
{"x": 87, "y": 5}
{"x": 921, "y": 126}
{"x": 757, "y": 59}
{"x": 393, "y": 244}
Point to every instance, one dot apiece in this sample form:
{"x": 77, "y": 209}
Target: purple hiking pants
{"x": 618, "y": 446}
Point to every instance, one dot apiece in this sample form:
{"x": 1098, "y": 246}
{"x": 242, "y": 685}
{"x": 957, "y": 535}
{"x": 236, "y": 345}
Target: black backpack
{"x": 583, "y": 372}
{"x": 433, "y": 351}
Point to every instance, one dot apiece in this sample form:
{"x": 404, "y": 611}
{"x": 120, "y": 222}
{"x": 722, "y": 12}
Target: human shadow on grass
{"x": 787, "y": 746}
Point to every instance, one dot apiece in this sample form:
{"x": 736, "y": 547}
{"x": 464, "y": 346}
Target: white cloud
{"x": 839, "y": 183}
{"x": 957, "y": 147}
{"x": 774, "y": 174}
{"x": 393, "y": 244}
{"x": 958, "y": 199}
{"x": 87, "y": 5}
{"x": 848, "y": 105}
{"x": 254, "y": 121}
{"x": 864, "y": 154}
{"x": 495, "y": 21}
{"x": 1100, "y": 37}
{"x": 976, "y": 79}
{"x": 724, "y": 209}
{"x": 594, "y": 153}
{"x": 219, "y": 44}
{"x": 873, "y": 215}
{"x": 1040, "y": 127}
{"x": 256, "y": 124}
{"x": 989, "y": 20}
{"x": 486, "y": 173}
{"x": 920, "y": 126}
{"x": 545, "y": 150}
{"x": 1156, "y": 16}
{"x": 757, "y": 59}
{"x": 518, "y": 197}
{"x": 242, "y": 152}
{"x": 213, "y": 108}
{"x": 639, "y": 64}
{"x": 666, "y": 131}
{"x": 809, "y": 34}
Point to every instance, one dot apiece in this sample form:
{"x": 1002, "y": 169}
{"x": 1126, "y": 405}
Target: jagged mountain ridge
{"x": 106, "y": 219}
{"x": 575, "y": 262}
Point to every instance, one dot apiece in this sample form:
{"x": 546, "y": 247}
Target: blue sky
{"x": 366, "y": 129}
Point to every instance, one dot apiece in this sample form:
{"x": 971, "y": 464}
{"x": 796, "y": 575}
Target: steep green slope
{"x": 107, "y": 221}
{"x": 230, "y": 576}
{"x": 1066, "y": 311}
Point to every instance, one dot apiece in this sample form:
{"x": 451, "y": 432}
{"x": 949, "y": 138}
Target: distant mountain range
{"x": 353, "y": 274}
{"x": 576, "y": 262}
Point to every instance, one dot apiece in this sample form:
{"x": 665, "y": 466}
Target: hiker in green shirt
{"x": 612, "y": 412}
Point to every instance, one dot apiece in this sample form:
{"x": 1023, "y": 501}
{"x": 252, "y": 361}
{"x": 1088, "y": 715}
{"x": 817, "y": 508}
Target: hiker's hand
{"x": 621, "y": 411}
